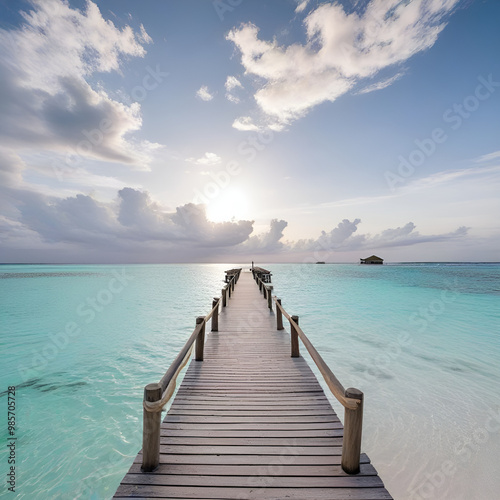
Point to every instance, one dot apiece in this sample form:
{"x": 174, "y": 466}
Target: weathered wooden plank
{"x": 277, "y": 469}
{"x": 248, "y": 426}
{"x": 178, "y": 410}
{"x": 344, "y": 481}
{"x": 303, "y": 460}
{"x": 289, "y": 450}
{"x": 223, "y": 432}
{"x": 251, "y": 441}
{"x": 254, "y": 419}
{"x": 251, "y": 493}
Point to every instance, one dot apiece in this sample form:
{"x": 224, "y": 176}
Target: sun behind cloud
{"x": 230, "y": 204}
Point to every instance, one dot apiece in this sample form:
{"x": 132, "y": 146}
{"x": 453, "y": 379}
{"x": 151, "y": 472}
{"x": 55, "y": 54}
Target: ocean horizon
{"x": 421, "y": 340}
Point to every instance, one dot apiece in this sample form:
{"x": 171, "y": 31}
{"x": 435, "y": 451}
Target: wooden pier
{"x": 250, "y": 420}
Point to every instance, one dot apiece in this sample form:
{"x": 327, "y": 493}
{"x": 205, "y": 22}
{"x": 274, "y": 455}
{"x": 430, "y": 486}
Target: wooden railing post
{"x": 224, "y": 298}
{"x": 279, "y": 316}
{"x": 215, "y": 317}
{"x": 233, "y": 281}
{"x": 151, "y": 430}
{"x": 295, "y": 338}
{"x": 228, "y": 286}
{"x": 200, "y": 340}
{"x": 270, "y": 297}
{"x": 353, "y": 426}
{"x": 264, "y": 291}
{"x": 260, "y": 285}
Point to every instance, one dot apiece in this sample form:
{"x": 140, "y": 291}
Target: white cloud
{"x": 448, "y": 176}
{"x": 143, "y": 36}
{"x": 268, "y": 242}
{"x": 207, "y": 159}
{"x": 341, "y": 49}
{"x": 491, "y": 156}
{"x": 204, "y": 94}
{"x": 245, "y": 124}
{"x": 133, "y": 220}
{"x": 343, "y": 238}
{"x": 231, "y": 84}
{"x": 381, "y": 85}
{"x": 135, "y": 227}
{"x": 301, "y": 5}
{"x": 232, "y": 98}
{"x": 46, "y": 100}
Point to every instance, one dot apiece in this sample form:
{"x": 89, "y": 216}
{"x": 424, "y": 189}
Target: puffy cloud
{"x": 204, "y": 94}
{"x": 245, "y": 124}
{"x": 342, "y": 238}
{"x": 341, "y": 50}
{"x": 46, "y": 100}
{"x": 231, "y": 84}
{"x": 207, "y": 159}
{"x": 137, "y": 228}
{"x": 134, "y": 219}
{"x": 338, "y": 236}
{"x": 268, "y": 242}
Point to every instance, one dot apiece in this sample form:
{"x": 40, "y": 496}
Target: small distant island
{"x": 320, "y": 262}
{"x": 372, "y": 260}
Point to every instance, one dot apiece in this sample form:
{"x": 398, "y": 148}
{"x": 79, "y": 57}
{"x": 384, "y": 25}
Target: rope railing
{"x": 351, "y": 398}
{"x": 156, "y": 396}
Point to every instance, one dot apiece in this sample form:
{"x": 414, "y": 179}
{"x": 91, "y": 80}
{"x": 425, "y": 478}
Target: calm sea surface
{"x": 421, "y": 341}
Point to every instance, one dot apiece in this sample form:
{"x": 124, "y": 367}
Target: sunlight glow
{"x": 230, "y": 204}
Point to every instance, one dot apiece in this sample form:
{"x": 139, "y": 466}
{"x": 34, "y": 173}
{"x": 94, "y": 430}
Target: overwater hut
{"x": 372, "y": 260}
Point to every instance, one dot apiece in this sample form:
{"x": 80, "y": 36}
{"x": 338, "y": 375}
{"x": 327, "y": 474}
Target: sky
{"x": 237, "y": 130}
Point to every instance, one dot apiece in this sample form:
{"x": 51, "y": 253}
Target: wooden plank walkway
{"x": 250, "y": 422}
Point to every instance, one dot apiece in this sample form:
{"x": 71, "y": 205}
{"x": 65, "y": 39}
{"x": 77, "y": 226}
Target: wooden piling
{"x": 279, "y": 316}
{"x": 295, "y": 337}
{"x": 151, "y": 430}
{"x": 200, "y": 340}
{"x": 270, "y": 297}
{"x": 353, "y": 426}
{"x": 215, "y": 317}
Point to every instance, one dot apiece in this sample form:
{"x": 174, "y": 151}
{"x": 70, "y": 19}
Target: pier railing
{"x": 156, "y": 396}
{"x": 351, "y": 398}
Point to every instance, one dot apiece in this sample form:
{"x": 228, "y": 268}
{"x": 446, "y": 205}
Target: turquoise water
{"x": 421, "y": 341}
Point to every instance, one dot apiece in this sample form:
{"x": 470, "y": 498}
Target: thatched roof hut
{"x": 372, "y": 260}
